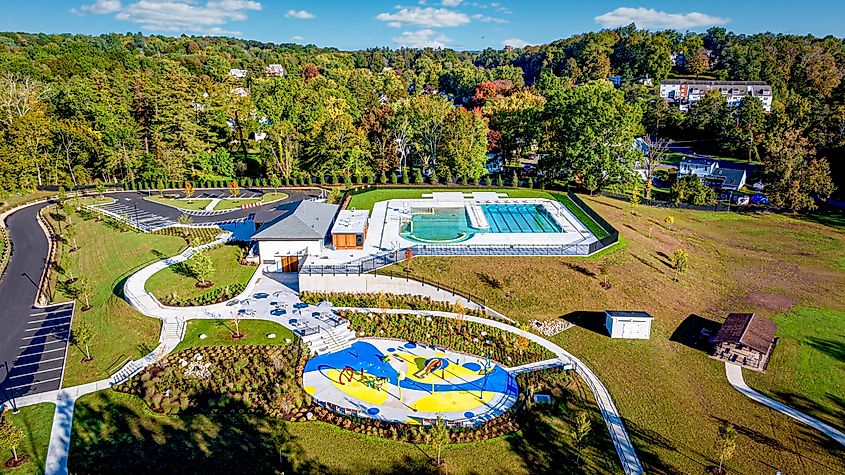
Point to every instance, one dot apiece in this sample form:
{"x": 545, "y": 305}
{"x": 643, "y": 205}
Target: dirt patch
{"x": 770, "y": 301}
{"x": 12, "y": 463}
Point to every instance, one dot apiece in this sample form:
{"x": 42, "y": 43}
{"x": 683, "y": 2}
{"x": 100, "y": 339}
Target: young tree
{"x": 276, "y": 182}
{"x": 409, "y": 259}
{"x": 726, "y": 444}
{"x": 236, "y": 319}
{"x": 234, "y": 188}
{"x": 440, "y": 439}
{"x": 680, "y": 262}
{"x": 83, "y": 289}
{"x": 10, "y": 436}
{"x": 188, "y": 190}
{"x": 81, "y": 336}
{"x": 202, "y": 268}
{"x": 185, "y": 222}
{"x": 580, "y": 432}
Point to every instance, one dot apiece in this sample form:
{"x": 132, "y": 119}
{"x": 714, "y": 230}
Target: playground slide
{"x": 429, "y": 367}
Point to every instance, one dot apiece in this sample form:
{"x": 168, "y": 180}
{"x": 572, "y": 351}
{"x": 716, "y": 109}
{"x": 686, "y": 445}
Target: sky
{"x": 458, "y": 24}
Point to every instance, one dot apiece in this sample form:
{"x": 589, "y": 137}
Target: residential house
{"x": 700, "y": 167}
{"x": 727, "y": 179}
{"x": 238, "y": 73}
{"x": 685, "y": 92}
{"x": 711, "y": 174}
{"x": 275, "y": 71}
{"x": 746, "y": 339}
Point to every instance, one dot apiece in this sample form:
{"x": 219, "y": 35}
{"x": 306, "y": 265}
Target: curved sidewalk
{"x": 734, "y": 373}
{"x": 615, "y": 425}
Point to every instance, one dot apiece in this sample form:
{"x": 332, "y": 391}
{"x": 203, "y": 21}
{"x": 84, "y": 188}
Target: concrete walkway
{"x": 734, "y": 373}
{"x": 618, "y": 434}
{"x": 211, "y": 204}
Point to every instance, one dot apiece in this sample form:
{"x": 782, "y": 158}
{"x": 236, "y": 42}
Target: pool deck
{"x": 453, "y": 392}
{"x": 387, "y": 217}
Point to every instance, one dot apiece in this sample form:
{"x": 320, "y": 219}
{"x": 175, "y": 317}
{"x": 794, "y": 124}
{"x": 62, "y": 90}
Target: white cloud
{"x": 194, "y": 16}
{"x": 488, "y": 19}
{"x": 300, "y": 14}
{"x": 296, "y": 38}
{"x": 451, "y": 3}
{"x": 422, "y": 39}
{"x": 99, "y": 7}
{"x": 428, "y": 17}
{"x": 650, "y": 18}
{"x": 515, "y": 42}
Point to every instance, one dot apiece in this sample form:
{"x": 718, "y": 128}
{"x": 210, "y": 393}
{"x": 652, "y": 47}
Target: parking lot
{"x": 43, "y": 347}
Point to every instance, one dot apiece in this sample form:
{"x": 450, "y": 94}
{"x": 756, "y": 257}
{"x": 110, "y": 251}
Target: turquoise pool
{"x": 449, "y": 225}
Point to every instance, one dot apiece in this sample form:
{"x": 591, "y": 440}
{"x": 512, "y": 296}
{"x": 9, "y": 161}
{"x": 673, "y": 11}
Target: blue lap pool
{"x": 450, "y": 225}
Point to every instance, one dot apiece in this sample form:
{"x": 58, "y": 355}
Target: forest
{"x": 129, "y": 108}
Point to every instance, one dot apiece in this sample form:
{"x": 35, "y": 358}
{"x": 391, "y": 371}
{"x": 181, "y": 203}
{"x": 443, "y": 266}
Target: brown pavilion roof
{"x": 748, "y": 329}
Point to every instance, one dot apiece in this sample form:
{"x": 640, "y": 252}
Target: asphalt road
{"x": 33, "y": 340}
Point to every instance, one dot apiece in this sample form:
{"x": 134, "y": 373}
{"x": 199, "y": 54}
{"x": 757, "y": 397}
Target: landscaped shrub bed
{"x": 459, "y": 335}
{"x": 382, "y": 300}
{"x": 213, "y": 296}
{"x": 260, "y": 379}
{"x": 198, "y": 236}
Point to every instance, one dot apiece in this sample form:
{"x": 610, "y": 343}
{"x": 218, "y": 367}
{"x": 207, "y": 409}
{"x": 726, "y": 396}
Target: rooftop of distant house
{"x": 749, "y": 330}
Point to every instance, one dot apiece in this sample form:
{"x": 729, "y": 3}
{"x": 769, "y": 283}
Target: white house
{"x": 285, "y": 241}
{"x": 275, "y": 70}
{"x": 700, "y": 167}
{"x": 238, "y": 73}
{"x": 631, "y": 325}
{"x": 685, "y": 92}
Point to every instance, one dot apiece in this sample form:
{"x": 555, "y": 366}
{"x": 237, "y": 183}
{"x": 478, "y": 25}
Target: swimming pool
{"x": 451, "y": 225}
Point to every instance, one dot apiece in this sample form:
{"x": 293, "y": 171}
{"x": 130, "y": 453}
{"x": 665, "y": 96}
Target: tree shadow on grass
{"x": 593, "y": 321}
{"x": 832, "y": 348}
{"x": 581, "y": 269}
{"x": 109, "y": 433}
{"x": 695, "y": 332}
{"x": 647, "y": 443}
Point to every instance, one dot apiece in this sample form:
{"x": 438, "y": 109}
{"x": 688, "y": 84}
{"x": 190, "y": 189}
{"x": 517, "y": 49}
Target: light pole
{"x": 15, "y": 409}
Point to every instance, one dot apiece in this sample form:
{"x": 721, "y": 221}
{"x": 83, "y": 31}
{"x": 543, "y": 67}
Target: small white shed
{"x": 633, "y": 325}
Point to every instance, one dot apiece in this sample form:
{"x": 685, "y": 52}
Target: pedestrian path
{"x": 734, "y": 373}
{"x": 212, "y": 204}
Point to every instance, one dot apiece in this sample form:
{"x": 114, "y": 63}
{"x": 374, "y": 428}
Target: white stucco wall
{"x": 269, "y": 250}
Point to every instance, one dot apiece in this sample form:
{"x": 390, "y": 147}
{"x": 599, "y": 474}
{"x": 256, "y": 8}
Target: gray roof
{"x": 732, "y": 177}
{"x": 627, "y": 314}
{"x": 706, "y": 162}
{"x": 310, "y": 221}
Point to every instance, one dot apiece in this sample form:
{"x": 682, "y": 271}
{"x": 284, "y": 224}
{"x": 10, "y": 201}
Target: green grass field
{"x": 115, "y": 429}
{"x": 219, "y": 333}
{"x": 105, "y": 258}
{"x": 671, "y": 394}
{"x": 194, "y": 205}
{"x": 36, "y": 422}
{"x": 174, "y": 280}
{"x": 234, "y": 203}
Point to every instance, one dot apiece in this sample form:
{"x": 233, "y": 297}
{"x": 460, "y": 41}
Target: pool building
{"x": 322, "y": 238}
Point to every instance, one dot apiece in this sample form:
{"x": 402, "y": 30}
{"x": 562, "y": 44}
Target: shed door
{"x": 630, "y": 330}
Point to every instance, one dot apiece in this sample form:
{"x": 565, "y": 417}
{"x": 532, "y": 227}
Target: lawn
{"x": 36, "y": 422}
{"x": 808, "y": 366}
{"x": 105, "y": 258}
{"x": 194, "y": 205}
{"x": 10, "y": 201}
{"x": 114, "y": 429}
{"x": 672, "y": 396}
{"x": 234, "y": 203}
{"x": 175, "y": 281}
{"x": 368, "y": 199}
{"x": 219, "y": 333}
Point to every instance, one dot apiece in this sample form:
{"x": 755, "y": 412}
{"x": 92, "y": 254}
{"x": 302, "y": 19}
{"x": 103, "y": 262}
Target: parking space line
{"x": 43, "y": 343}
{"x": 57, "y": 325}
{"x": 51, "y": 318}
{"x": 57, "y": 335}
{"x": 50, "y": 312}
{"x": 33, "y": 383}
{"x": 59, "y": 368}
{"x": 40, "y": 353}
{"x": 36, "y": 362}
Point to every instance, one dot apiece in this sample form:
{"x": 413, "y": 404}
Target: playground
{"x": 410, "y": 383}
